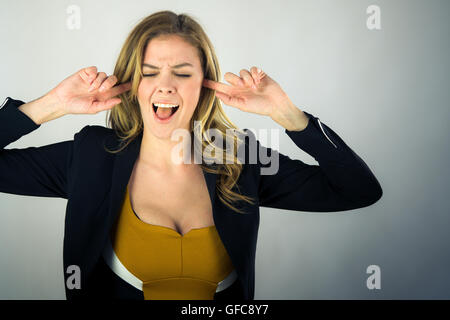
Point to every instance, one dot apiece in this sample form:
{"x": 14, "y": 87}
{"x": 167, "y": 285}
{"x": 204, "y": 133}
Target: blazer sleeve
{"x": 342, "y": 180}
{"x": 33, "y": 171}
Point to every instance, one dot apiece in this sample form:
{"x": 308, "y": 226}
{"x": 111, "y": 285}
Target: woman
{"x": 140, "y": 225}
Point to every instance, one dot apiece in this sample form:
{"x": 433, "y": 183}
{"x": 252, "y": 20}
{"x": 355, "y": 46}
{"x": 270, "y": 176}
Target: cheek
{"x": 145, "y": 89}
{"x": 190, "y": 97}
{"x": 141, "y": 91}
{"x": 193, "y": 91}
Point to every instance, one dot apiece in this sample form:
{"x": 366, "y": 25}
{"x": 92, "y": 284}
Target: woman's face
{"x": 172, "y": 74}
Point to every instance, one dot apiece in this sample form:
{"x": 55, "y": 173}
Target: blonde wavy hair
{"x": 126, "y": 119}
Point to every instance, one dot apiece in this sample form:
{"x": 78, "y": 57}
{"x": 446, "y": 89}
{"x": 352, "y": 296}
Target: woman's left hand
{"x": 256, "y": 92}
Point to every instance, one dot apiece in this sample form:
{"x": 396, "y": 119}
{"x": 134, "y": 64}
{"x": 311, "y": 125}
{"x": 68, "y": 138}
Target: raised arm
{"x": 43, "y": 171}
{"x": 341, "y": 181}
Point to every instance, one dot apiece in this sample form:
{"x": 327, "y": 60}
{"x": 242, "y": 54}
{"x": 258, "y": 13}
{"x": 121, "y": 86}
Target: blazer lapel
{"x": 123, "y": 166}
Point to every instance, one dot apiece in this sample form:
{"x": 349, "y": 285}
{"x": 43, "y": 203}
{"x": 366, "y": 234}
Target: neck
{"x": 164, "y": 153}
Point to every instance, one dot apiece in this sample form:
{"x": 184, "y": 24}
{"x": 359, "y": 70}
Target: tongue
{"x": 164, "y": 113}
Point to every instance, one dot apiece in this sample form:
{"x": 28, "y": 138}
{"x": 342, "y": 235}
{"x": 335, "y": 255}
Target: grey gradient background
{"x": 385, "y": 92}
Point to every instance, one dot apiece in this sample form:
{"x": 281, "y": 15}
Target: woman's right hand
{"x": 87, "y": 92}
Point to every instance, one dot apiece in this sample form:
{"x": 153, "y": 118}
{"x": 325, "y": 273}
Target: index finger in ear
{"x": 121, "y": 88}
{"x": 221, "y": 87}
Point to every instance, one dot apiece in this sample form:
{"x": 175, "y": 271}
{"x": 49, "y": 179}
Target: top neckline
{"x": 144, "y": 225}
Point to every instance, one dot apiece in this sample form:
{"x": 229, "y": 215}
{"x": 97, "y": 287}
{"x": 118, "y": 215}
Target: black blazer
{"x": 94, "y": 181}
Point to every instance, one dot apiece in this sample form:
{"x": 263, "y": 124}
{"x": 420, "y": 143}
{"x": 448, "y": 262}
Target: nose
{"x": 166, "y": 85}
{"x": 166, "y": 90}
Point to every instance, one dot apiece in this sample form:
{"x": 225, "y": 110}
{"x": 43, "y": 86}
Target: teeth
{"x": 163, "y": 105}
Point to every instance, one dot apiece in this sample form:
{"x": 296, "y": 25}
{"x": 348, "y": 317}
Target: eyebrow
{"x": 174, "y": 67}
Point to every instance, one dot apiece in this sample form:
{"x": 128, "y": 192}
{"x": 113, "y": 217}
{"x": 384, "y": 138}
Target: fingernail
{"x": 258, "y": 69}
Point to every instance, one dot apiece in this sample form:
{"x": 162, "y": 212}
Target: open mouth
{"x": 164, "y": 113}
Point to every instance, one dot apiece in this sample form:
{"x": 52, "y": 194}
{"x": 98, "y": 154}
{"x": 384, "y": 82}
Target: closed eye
{"x": 179, "y": 75}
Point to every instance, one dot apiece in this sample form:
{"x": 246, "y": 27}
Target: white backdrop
{"x": 384, "y": 91}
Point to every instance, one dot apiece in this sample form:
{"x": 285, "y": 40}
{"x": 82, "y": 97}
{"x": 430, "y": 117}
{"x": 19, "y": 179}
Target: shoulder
{"x": 248, "y": 148}
{"x": 244, "y": 134}
{"x": 93, "y": 136}
{"x": 97, "y": 130}
{"x": 249, "y": 137}
{"x": 93, "y": 132}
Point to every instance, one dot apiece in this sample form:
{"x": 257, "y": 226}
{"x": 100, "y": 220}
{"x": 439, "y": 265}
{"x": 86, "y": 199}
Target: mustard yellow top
{"x": 170, "y": 265}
